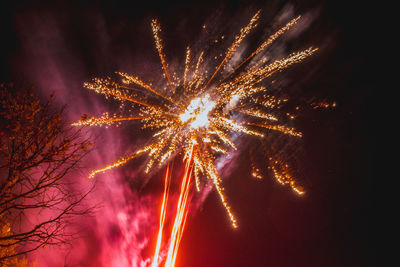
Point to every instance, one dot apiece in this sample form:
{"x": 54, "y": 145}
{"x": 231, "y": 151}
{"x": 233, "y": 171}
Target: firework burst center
{"x": 196, "y": 114}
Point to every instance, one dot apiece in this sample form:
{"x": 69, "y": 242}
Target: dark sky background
{"x": 333, "y": 224}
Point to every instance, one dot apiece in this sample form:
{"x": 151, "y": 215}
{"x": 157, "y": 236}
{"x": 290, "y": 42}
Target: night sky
{"x": 333, "y": 224}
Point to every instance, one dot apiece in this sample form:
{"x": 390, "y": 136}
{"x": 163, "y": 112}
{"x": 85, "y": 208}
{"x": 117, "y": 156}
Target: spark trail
{"x": 181, "y": 213}
{"x": 196, "y": 116}
{"x": 162, "y": 218}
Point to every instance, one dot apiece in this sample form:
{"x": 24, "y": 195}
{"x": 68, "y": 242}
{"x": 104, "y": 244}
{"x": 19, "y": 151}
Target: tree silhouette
{"x": 37, "y": 151}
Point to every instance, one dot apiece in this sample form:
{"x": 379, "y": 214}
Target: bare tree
{"x": 37, "y": 151}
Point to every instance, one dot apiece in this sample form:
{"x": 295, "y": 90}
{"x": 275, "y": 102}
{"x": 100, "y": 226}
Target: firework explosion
{"x": 197, "y": 113}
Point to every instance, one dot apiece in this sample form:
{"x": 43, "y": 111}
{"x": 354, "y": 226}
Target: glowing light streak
{"x": 115, "y": 164}
{"x": 187, "y": 67}
{"x": 136, "y": 80}
{"x": 255, "y": 171}
{"x": 238, "y": 39}
{"x": 118, "y": 94}
{"x": 266, "y": 43}
{"x": 282, "y": 174}
{"x": 104, "y": 119}
{"x": 259, "y": 114}
{"x": 159, "y": 45}
{"x": 181, "y": 213}
{"x": 195, "y": 77}
{"x": 163, "y": 210}
{"x": 217, "y": 183}
{"x": 280, "y": 128}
